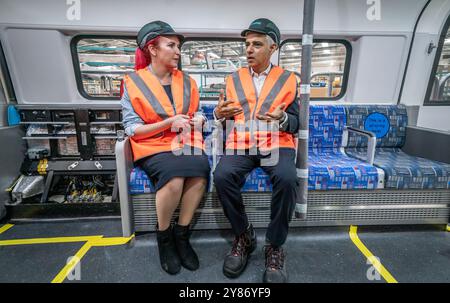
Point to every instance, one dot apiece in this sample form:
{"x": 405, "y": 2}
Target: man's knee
{"x": 286, "y": 178}
{"x": 222, "y": 175}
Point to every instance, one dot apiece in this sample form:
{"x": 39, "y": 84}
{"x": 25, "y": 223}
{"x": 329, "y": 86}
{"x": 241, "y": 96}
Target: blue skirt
{"x": 162, "y": 167}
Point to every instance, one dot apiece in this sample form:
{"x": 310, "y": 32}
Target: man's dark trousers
{"x": 229, "y": 178}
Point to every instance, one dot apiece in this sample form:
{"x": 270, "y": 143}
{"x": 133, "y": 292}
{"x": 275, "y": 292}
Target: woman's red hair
{"x": 142, "y": 57}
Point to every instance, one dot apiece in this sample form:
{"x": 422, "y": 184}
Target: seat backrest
{"x": 388, "y": 122}
{"x": 207, "y": 108}
{"x": 326, "y": 125}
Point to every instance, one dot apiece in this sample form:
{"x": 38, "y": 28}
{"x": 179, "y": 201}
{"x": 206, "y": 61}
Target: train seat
{"x": 402, "y": 171}
{"x": 329, "y": 167}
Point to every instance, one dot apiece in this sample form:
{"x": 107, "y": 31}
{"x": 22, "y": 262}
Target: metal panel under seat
{"x": 325, "y": 208}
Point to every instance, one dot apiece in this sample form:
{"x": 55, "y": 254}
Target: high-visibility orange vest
{"x": 151, "y": 103}
{"x": 248, "y": 132}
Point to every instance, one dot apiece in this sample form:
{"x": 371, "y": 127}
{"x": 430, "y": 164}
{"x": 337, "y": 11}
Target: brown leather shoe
{"x": 236, "y": 261}
{"x": 275, "y": 270}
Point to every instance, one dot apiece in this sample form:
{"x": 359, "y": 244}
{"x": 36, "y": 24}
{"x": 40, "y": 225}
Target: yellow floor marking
{"x": 91, "y": 241}
{"x": 366, "y": 252}
{"x": 73, "y": 262}
{"x": 111, "y": 241}
{"x": 83, "y": 250}
{"x": 48, "y": 240}
{"x": 5, "y": 228}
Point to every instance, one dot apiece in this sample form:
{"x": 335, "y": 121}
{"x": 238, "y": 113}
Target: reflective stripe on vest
{"x": 274, "y": 92}
{"x": 147, "y": 92}
{"x": 251, "y": 105}
{"x": 151, "y": 103}
{"x": 241, "y": 95}
{"x": 268, "y": 101}
{"x": 156, "y": 105}
{"x": 186, "y": 93}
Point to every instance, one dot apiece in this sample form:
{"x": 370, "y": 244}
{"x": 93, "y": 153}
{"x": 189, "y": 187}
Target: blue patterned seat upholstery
{"x": 139, "y": 182}
{"x": 402, "y": 171}
{"x": 334, "y": 170}
{"x": 329, "y": 167}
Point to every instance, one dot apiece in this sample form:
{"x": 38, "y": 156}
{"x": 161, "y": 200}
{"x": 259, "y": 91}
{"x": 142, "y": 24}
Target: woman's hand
{"x": 197, "y": 122}
{"x": 179, "y": 122}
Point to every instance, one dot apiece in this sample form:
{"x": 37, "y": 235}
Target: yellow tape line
{"x": 91, "y": 241}
{"x": 73, "y": 262}
{"x": 83, "y": 250}
{"x": 5, "y": 228}
{"x": 111, "y": 241}
{"x": 366, "y": 252}
{"x": 48, "y": 240}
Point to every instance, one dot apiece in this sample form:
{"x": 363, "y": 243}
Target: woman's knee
{"x": 174, "y": 185}
{"x": 199, "y": 182}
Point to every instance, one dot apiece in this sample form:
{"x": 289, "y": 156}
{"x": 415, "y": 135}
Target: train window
{"x": 210, "y": 61}
{"x": 330, "y": 65}
{"x": 438, "y": 92}
{"x": 100, "y": 63}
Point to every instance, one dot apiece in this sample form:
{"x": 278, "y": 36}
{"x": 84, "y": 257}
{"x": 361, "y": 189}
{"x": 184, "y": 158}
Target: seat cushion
{"x": 334, "y": 170}
{"x": 403, "y": 171}
{"x": 327, "y": 170}
{"x": 139, "y": 182}
{"x": 257, "y": 181}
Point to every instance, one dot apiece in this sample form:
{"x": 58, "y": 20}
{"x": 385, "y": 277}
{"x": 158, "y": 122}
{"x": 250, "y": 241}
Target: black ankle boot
{"x": 168, "y": 255}
{"x": 187, "y": 255}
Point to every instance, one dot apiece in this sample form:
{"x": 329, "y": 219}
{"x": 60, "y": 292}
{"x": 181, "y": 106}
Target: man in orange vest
{"x": 260, "y": 95}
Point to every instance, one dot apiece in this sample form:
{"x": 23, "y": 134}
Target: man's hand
{"x": 224, "y": 111}
{"x": 276, "y": 114}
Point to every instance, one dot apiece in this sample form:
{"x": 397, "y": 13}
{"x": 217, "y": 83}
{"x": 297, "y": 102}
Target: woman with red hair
{"x": 160, "y": 115}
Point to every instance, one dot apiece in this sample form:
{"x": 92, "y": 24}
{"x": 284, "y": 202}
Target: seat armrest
{"x": 217, "y": 141}
{"x": 427, "y": 143}
{"x": 371, "y": 141}
{"x": 124, "y": 164}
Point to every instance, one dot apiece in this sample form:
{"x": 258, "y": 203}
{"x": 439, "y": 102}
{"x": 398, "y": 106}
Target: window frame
{"x": 7, "y": 76}
{"x": 345, "y": 75}
{"x": 209, "y": 38}
{"x": 427, "y": 101}
{"x": 76, "y": 63}
{"x": 78, "y": 79}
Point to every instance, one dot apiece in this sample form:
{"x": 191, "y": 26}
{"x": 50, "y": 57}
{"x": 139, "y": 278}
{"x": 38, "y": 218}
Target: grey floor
{"x": 318, "y": 255}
